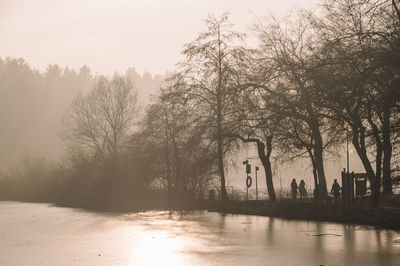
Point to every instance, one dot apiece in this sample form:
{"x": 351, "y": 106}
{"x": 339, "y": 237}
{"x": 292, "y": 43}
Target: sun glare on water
{"x": 160, "y": 248}
{"x": 162, "y": 243}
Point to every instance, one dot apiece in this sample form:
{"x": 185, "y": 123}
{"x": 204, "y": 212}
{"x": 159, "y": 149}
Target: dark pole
{"x": 256, "y": 184}
{"x": 347, "y": 149}
{"x": 248, "y": 171}
{"x": 247, "y": 190}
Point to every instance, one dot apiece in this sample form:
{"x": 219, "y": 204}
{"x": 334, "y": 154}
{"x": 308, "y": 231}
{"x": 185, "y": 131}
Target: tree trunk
{"x": 177, "y": 157}
{"x": 220, "y": 154}
{"x": 358, "y": 141}
{"x": 318, "y": 156}
{"x": 314, "y": 174}
{"x": 379, "y": 148}
{"x": 167, "y": 156}
{"x": 265, "y": 160}
{"x": 387, "y": 152}
{"x": 319, "y": 163}
{"x": 224, "y": 194}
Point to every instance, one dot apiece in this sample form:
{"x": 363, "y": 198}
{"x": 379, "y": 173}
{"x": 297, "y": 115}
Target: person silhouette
{"x": 294, "y": 187}
{"x": 302, "y": 189}
{"x": 335, "y": 190}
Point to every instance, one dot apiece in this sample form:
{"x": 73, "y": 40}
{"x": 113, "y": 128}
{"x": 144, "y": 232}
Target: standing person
{"x": 302, "y": 189}
{"x": 335, "y": 190}
{"x": 294, "y": 187}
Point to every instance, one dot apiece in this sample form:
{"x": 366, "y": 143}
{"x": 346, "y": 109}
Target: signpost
{"x": 248, "y": 177}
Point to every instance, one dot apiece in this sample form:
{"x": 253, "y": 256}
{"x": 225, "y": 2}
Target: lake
{"x": 41, "y": 234}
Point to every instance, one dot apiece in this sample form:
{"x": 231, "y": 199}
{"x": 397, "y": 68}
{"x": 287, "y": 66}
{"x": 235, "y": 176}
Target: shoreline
{"x": 355, "y": 213}
{"x": 380, "y": 218}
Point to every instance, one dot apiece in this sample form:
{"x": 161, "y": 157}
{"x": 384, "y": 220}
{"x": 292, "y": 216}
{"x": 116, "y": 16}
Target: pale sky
{"x": 113, "y": 35}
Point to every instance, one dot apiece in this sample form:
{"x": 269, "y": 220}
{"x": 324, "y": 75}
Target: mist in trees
{"x": 33, "y": 103}
{"x": 314, "y": 80}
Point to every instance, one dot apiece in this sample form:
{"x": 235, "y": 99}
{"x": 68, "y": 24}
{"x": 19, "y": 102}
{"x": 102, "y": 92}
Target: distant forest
{"x": 315, "y": 80}
{"x": 33, "y": 103}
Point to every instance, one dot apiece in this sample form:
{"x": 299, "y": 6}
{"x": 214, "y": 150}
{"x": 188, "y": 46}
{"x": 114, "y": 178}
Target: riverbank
{"x": 387, "y": 216}
{"x": 383, "y": 217}
{"x": 359, "y": 212}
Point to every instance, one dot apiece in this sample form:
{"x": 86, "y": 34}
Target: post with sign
{"x": 256, "y": 183}
{"x": 248, "y": 178}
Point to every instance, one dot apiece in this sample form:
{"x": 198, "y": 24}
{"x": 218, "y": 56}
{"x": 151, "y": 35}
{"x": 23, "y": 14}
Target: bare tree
{"x": 102, "y": 120}
{"x": 254, "y": 124}
{"x": 360, "y": 59}
{"x": 209, "y": 72}
{"x": 181, "y": 161}
{"x": 283, "y": 79}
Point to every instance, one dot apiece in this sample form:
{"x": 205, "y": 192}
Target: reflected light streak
{"x": 159, "y": 248}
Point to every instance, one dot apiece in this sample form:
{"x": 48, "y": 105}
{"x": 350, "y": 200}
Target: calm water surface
{"x": 40, "y": 234}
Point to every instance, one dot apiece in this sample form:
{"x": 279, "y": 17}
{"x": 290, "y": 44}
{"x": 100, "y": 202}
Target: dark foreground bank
{"x": 359, "y": 212}
{"x": 384, "y": 217}
{"x": 387, "y": 216}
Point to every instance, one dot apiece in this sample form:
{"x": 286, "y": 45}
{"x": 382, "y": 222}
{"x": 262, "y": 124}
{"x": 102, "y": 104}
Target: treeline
{"x": 112, "y": 161}
{"x": 315, "y": 80}
{"x": 33, "y": 102}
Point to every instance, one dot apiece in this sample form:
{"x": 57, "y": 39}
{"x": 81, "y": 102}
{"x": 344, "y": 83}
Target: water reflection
{"x": 270, "y": 231}
{"x": 64, "y": 236}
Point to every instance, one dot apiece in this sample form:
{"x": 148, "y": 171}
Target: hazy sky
{"x": 112, "y": 35}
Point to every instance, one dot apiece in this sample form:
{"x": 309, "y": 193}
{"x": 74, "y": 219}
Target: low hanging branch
{"x": 265, "y": 160}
